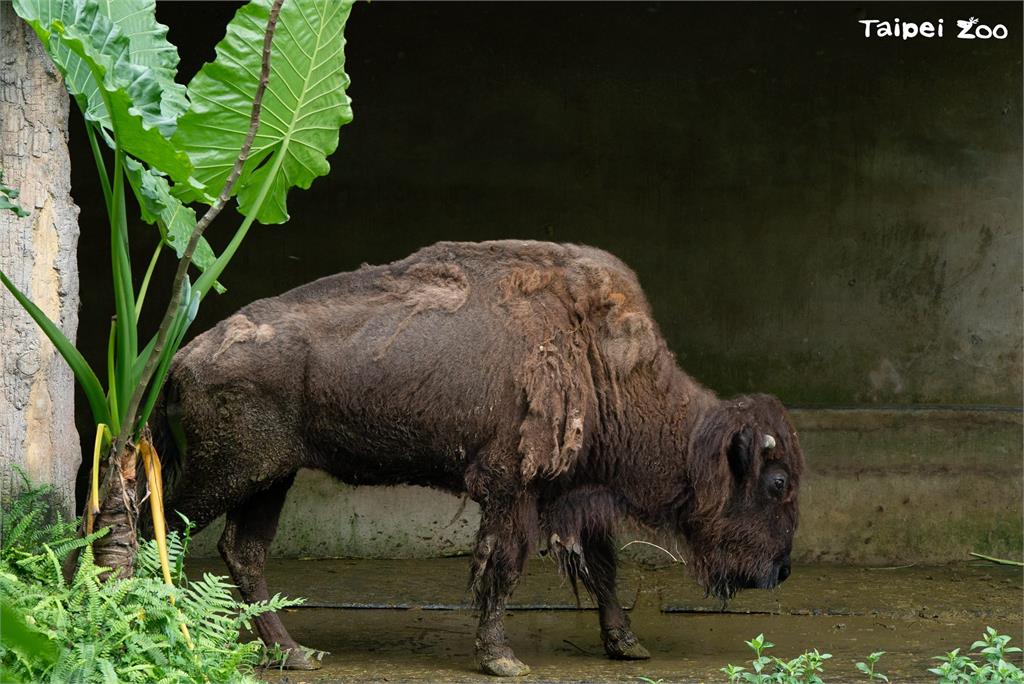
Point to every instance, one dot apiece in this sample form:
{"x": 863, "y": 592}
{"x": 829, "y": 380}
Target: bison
{"x": 528, "y": 376}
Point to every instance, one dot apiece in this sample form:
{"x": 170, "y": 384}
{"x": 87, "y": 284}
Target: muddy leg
{"x": 498, "y": 559}
{"x": 249, "y": 529}
{"x": 619, "y": 641}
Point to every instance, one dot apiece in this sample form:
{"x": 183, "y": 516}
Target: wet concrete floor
{"x": 410, "y": 620}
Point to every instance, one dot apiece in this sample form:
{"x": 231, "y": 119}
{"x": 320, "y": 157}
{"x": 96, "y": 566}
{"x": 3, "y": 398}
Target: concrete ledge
{"x": 882, "y": 487}
{"x": 947, "y": 592}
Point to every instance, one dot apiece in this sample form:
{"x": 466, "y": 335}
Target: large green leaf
{"x": 304, "y": 105}
{"x": 121, "y": 95}
{"x": 32, "y": 645}
{"x": 40, "y": 15}
{"x": 175, "y": 220}
{"x": 148, "y": 46}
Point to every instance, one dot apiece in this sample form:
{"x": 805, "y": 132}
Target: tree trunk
{"x": 38, "y": 253}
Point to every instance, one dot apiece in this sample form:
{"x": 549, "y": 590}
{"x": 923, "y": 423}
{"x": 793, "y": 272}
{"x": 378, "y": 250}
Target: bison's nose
{"x": 784, "y": 571}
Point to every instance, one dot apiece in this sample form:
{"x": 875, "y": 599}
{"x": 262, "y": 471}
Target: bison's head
{"x": 744, "y": 466}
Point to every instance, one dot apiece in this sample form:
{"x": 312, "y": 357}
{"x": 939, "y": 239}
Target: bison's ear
{"x": 741, "y": 452}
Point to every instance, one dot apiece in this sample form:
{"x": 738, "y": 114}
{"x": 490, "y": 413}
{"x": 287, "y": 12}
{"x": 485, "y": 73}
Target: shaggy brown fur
{"x": 530, "y": 376}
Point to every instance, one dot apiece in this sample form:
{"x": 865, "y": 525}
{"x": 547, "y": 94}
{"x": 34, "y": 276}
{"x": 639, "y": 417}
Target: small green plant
{"x": 804, "y": 669}
{"x": 868, "y": 667}
{"x": 7, "y": 197}
{"x": 954, "y": 668}
{"x": 126, "y": 630}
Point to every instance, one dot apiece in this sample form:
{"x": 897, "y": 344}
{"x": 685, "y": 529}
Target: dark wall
{"x": 831, "y": 218}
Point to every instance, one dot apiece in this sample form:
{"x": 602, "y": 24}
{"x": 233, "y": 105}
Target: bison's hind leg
{"x": 248, "y": 531}
{"x": 580, "y": 525}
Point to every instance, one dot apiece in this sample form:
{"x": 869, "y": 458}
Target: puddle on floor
{"x": 408, "y": 621}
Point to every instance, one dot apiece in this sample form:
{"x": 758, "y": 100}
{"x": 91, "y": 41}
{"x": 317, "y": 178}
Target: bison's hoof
{"x": 300, "y": 659}
{"x": 508, "y": 666}
{"x": 622, "y": 644}
{"x": 501, "y": 662}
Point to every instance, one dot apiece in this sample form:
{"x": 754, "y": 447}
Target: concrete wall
{"x": 830, "y": 218}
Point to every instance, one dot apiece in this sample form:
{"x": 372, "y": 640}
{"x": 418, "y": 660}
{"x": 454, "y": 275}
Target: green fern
{"x": 46, "y": 566}
{"x": 30, "y": 520}
{"x": 147, "y": 560}
{"x": 125, "y": 630}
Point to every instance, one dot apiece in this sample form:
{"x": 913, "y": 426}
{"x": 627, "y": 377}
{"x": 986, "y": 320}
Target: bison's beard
{"x": 723, "y": 589}
{"x": 723, "y": 573}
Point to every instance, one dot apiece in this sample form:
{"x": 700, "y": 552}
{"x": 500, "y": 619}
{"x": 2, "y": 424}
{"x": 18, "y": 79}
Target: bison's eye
{"x": 777, "y": 482}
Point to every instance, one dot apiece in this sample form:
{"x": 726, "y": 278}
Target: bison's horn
{"x": 769, "y": 442}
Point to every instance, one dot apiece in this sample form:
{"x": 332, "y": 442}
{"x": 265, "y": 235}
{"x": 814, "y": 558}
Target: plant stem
{"x": 122, "y": 275}
{"x": 665, "y": 551}
{"x": 101, "y": 167}
{"x": 145, "y": 280}
{"x": 151, "y": 463}
{"x": 112, "y": 381}
{"x": 128, "y": 427}
{"x": 94, "y": 493}
{"x": 1000, "y": 561}
{"x": 203, "y": 285}
{"x": 177, "y": 334}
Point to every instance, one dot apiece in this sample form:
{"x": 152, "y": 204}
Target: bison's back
{"x": 403, "y": 372}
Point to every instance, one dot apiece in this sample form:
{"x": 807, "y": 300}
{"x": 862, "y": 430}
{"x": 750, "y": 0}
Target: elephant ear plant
{"x": 257, "y": 121}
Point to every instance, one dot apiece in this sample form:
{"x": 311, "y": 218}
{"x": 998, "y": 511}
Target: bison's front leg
{"x": 498, "y": 560}
{"x": 619, "y": 640}
{"x": 249, "y": 530}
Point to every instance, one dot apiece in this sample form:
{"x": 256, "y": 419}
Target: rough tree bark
{"x": 38, "y": 253}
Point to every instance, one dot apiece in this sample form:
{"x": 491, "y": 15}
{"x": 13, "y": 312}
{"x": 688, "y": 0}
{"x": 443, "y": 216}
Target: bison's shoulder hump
{"x": 542, "y": 291}
{"x": 563, "y": 304}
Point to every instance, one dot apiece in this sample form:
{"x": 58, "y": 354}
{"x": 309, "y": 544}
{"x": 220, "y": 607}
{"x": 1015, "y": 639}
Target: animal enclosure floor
{"x": 410, "y": 621}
